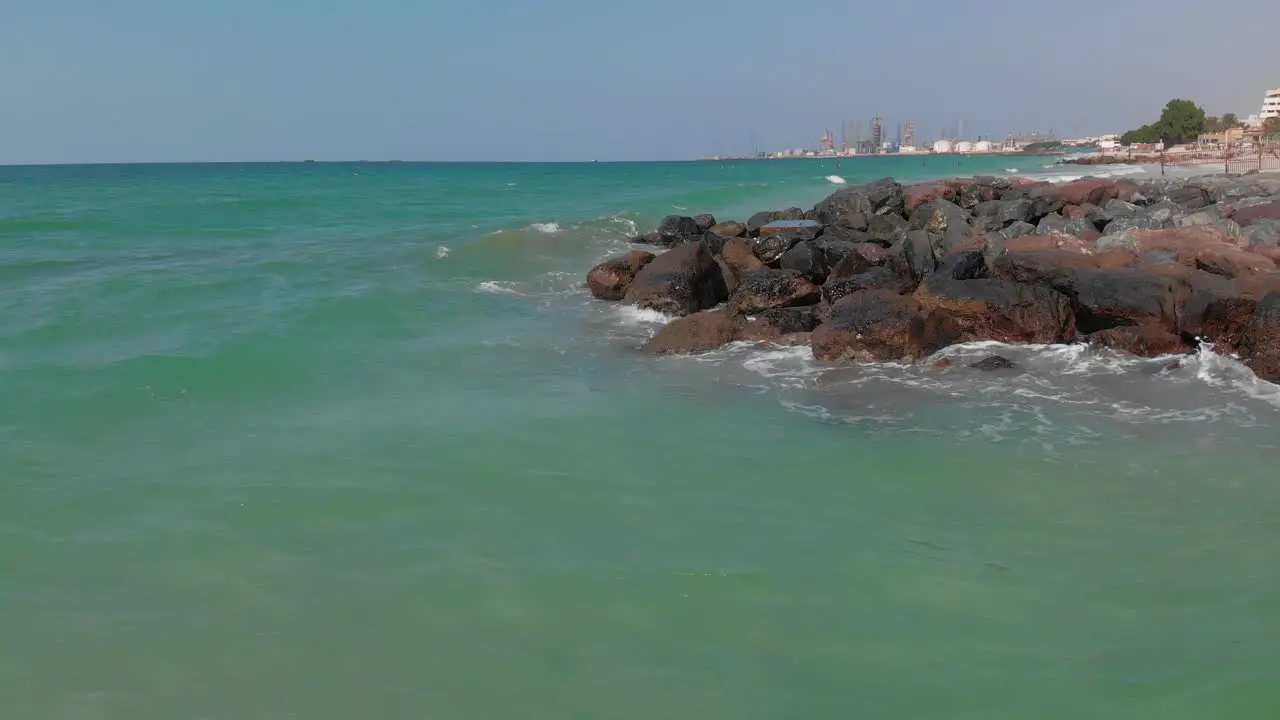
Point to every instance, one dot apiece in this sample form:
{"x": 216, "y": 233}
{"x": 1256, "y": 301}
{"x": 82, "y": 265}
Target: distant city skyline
{"x": 244, "y": 80}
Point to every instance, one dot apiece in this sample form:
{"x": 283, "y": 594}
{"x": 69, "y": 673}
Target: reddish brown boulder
{"x": 1206, "y": 247}
{"x": 916, "y": 195}
{"x": 990, "y": 309}
{"x": 1271, "y": 252}
{"x": 1232, "y": 262}
{"x": 739, "y": 256}
{"x": 680, "y": 281}
{"x": 1140, "y": 340}
{"x": 1092, "y": 191}
{"x": 867, "y": 326}
{"x": 767, "y": 289}
{"x": 1073, "y": 212}
{"x": 773, "y": 325}
{"x": 610, "y": 279}
{"x": 1054, "y": 268}
{"x": 1260, "y": 345}
{"x": 1249, "y": 215}
{"x": 700, "y": 332}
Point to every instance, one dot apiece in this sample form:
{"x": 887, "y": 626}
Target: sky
{"x": 446, "y": 80}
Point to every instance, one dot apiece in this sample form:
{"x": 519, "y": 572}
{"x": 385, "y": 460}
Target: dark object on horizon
{"x": 1042, "y": 148}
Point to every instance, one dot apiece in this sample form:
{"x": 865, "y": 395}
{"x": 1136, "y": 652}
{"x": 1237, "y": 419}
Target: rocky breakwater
{"x": 886, "y": 272}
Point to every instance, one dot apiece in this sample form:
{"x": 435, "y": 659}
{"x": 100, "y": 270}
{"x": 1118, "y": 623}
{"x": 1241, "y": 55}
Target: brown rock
{"x": 700, "y": 332}
{"x": 680, "y": 281}
{"x": 767, "y": 289}
{"x": 739, "y": 256}
{"x": 610, "y": 279}
{"x": 729, "y": 229}
{"x": 1141, "y": 340}
{"x": 1093, "y": 191}
{"x": 1110, "y": 298}
{"x": 873, "y": 253}
{"x": 942, "y": 363}
{"x": 991, "y": 309}
{"x": 1271, "y": 252}
{"x": 1216, "y": 310}
{"x": 1127, "y": 190}
{"x": 867, "y": 326}
{"x": 1073, "y": 212}
{"x": 1232, "y": 262}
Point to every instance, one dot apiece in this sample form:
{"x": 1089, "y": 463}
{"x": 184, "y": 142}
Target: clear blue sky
{"x": 187, "y": 80}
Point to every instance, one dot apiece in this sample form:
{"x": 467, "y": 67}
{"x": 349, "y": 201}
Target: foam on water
{"x": 497, "y": 287}
{"x": 547, "y": 228}
{"x": 835, "y": 180}
{"x": 442, "y": 252}
{"x": 642, "y": 317}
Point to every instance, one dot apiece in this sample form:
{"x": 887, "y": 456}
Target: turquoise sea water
{"x": 351, "y": 440}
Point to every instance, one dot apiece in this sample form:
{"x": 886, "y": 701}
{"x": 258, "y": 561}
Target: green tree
{"x": 1213, "y": 124}
{"x": 1180, "y": 122}
{"x": 1229, "y": 120}
{"x": 1271, "y": 126}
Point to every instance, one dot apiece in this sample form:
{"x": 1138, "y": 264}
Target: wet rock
{"x": 873, "y": 278}
{"x": 1260, "y": 345}
{"x": 990, "y": 309}
{"x": 680, "y": 281}
{"x": 610, "y": 279}
{"x": 963, "y": 265}
{"x": 832, "y": 250}
{"x": 937, "y": 216}
{"x": 912, "y": 257}
{"x": 843, "y": 207}
{"x": 700, "y": 332}
{"x": 767, "y": 289}
{"x": 704, "y": 222}
{"x": 1111, "y": 298}
{"x": 973, "y": 194}
{"x": 728, "y": 229}
{"x": 1140, "y": 340}
{"x": 650, "y": 238}
{"x": 1052, "y": 223}
{"x": 674, "y": 228}
{"x": 1215, "y": 311}
{"x": 773, "y": 325}
{"x": 995, "y": 362}
{"x": 942, "y": 363}
{"x": 867, "y": 326}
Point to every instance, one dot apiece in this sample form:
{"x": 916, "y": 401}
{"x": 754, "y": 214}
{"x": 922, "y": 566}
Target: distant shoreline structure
{"x": 883, "y": 155}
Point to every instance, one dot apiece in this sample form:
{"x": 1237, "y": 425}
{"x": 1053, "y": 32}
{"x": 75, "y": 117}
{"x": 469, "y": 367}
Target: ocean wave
{"x": 497, "y": 287}
{"x": 442, "y": 252}
{"x": 547, "y": 228}
{"x": 635, "y": 316}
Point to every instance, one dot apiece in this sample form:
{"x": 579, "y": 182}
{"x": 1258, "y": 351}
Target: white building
{"x": 1270, "y": 105}
{"x": 942, "y": 146}
{"x": 964, "y": 146}
{"x": 983, "y": 146}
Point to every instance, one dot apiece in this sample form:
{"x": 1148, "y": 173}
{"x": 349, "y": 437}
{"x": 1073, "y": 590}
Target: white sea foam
{"x": 442, "y": 252}
{"x": 632, "y": 315}
{"x": 497, "y": 287}
{"x": 1011, "y": 170}
{"x": 835, "y": 180}
{"x": 546, "y": 228}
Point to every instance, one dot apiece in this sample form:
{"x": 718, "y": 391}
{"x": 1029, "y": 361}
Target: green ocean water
{"x": 351, "y": 440}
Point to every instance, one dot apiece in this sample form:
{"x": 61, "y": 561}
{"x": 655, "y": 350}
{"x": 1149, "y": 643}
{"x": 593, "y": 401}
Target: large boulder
{"x": 972, "y": 194}
{"x": 1254, "y": 213}
{"x": 886, "y": 229}
{"x": 806, "y": 259}
{"x": 680, "y": 281}
{"x": 912, "y": 256}
{"x": 1260, "y": 345}
{"x": 1191, "y": 197}
{"x": 771, "y": 247}
{"x": 872, "y": 278}
{"x": 937, "y": 216}
{"x": 700, "y": 332}
{"x": 1207, "y": 247}
{"x": 844, "y": 206}
{"x": 1092, "y": 191}
{"x": 767, "y": 289}
{"x": 1043, "y": 196}
{"x": 728, "y": 229}
{"x": 991, "y": 309}
{"x": 704, "y": 222}
{"x": 868, "y": 326}
{"x": 1106, "y": 299}
{"x": 915, "y": 196}
{"x": 773, "y": 325}
{"x": 675, "y": 228}
{"x": 1215, "y": 310}
{"x": 1128, "y": 191}
{"x": 610, "y": 279}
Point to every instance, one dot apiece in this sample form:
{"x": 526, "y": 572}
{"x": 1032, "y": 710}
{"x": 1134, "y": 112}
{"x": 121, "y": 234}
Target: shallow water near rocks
{"x": 329, "y": 441}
